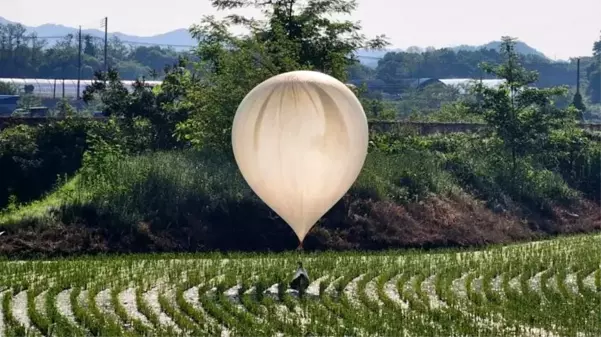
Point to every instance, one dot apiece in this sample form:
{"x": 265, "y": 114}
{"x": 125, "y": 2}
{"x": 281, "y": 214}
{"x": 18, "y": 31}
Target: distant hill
{"x": 370, "y": 57}
{"x": 181, "y": 39}
{"x": 520, "y": 47}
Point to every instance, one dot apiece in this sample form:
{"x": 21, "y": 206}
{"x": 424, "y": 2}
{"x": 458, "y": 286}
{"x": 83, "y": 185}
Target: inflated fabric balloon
{"x": 300, "y": 140}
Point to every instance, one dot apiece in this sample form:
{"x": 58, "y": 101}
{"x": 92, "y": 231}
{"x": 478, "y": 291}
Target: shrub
{"x": 489, "y": 173}
{"x": 31, "y": 158}
{"x": 162, "y": 186}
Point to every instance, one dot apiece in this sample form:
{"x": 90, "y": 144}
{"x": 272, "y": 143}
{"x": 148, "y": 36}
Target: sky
{"x": 559, "y": 29}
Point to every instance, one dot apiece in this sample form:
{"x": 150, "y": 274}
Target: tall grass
{"x": 406, "y": 176}
{"x": 170, "y": 187}
{"x": 486, "y": 170}
{"x": 163, "y": 184}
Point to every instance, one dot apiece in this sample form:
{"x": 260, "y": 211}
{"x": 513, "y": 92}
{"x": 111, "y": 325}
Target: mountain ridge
{"x": 371, "y": 57}
{"x": 181, "y": 39}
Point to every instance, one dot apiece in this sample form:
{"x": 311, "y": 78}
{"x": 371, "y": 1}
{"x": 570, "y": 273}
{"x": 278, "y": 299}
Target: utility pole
{"x": 79, "y": 65}
{"x": 577, "y": 102}
{"x": 33, "y": 43}
{"x": 577, "y": 75}
{"x": 105, "y": 24}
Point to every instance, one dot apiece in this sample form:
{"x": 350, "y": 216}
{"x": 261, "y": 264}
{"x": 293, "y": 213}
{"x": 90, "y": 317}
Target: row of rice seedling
{"x": 549, "y": 288}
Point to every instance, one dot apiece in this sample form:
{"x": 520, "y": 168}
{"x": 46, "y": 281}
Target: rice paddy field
{"x": 547, "y": 288}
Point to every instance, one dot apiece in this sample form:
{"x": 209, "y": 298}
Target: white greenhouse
{"x": 57, "y": 88}
{"x": 464, "y": 83}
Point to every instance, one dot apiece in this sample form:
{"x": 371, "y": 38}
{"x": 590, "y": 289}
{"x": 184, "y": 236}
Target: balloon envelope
{"x": 300, "y": 140}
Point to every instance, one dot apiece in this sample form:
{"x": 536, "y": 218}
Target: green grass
{"x": 198, "y": 201}
{"x": 165, "y": 180}
{"x": 165, "y": 185}
{"x": 40, "y": 210}
{"x": 168, "y": 183}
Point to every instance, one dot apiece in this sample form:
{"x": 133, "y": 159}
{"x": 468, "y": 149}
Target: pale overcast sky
{"x": 559, "y": 29}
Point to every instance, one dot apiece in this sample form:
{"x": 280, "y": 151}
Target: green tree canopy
{"x": 24, "y": 55}
{"x": 594, "y": 74}
{"x": 523, "y": 117}
{"x": 294, "y": 35}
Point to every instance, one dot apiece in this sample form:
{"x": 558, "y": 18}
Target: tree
{"x": 160, "y": 106}
{"x": 597, "y": 47}
{"x": 396, "y": 67}
{"x": 427, "y": 100}
{"x": 522, "y": 117}
{"x": 8, "y": 89}
{"x": 64, "y": 109}
{"x": 359, "y": 72}
{"x": 110, "y": 90}
{"x": 116, "y": 50}
{"x": 376, "y": 107}
{"x": 578, "y": 103}
{"x": 594, "y": 74}
{"x": 295, "y": 35}
{"x": 25, "y": 55}
{"x": 595, "y": 87}
{"x": 28, "y": 100}
{"x": 89, "y": 46}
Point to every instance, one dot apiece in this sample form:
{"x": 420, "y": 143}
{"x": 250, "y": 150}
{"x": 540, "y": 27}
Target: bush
{"x": 407, "y": 175}
{"x": 162, "y": 187}
{"x": 32, "y": 158}
{"x": 576, "y": 156}
{"x": 417, "y": 191}
{"x": 486, "y": 170}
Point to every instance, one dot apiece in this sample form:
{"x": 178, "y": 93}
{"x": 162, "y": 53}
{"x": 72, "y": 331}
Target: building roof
{"x": 463, "y": 83}
{"x": 8, "y": 99}
{"x": 422, "y": 82}
{"x": 455, "y": 82}
{"x": 459, "y": 81}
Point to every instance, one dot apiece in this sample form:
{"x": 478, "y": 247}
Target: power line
{"x": 171, "y": 45}
{"x": 159, "y": 44}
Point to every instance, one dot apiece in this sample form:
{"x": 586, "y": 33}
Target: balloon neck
{"x": 300, "y": 246}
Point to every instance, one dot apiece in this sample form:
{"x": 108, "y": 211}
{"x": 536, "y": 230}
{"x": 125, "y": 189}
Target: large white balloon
{"x": 300, "y": 140}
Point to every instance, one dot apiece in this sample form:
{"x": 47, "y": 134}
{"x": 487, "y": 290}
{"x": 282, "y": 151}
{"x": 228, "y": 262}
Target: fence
{"x": 57, "y": 88}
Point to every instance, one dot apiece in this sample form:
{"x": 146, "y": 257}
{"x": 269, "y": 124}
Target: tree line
{"x": 25, "y": 55}
{"x": 395, "y": 68}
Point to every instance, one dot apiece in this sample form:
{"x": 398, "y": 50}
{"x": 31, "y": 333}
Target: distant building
{"x": 38, "y": 111}
{"x": 57, "y": 88}
{"x": 464, "y": 83}
{"x": 8, "y": 104}
{"x": 461, "y": 83}
{"x": 372, "y": 85}
{"x": 419, "y": 83}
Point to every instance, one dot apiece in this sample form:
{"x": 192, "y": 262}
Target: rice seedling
{"x": 548, "y": 288}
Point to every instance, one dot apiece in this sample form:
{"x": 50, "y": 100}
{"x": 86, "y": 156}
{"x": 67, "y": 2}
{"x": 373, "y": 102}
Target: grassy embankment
{"x": 424, "y": 192}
